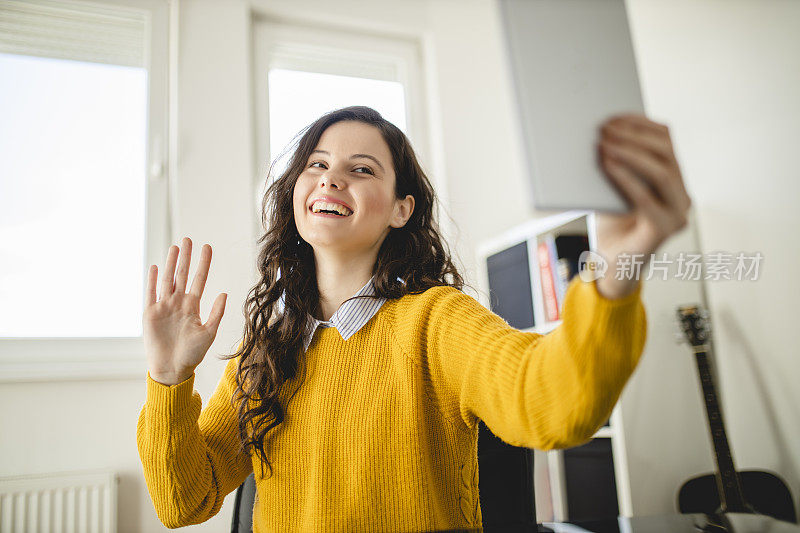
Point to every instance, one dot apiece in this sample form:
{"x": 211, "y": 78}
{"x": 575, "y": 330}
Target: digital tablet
{"x": 573, "y": 67}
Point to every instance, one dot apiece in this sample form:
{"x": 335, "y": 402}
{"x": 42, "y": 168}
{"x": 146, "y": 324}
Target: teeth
{"x": 339, "y": 208}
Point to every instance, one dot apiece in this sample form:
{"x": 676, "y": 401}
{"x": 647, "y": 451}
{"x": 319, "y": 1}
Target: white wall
{"x": 719, "y": 73}
{"x": 725, "y": 76}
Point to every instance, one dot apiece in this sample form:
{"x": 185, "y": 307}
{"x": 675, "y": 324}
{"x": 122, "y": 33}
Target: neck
{"x": 339, "y": 278}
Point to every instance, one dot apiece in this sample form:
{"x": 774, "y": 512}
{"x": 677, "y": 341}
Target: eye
{"x": 369, "y": 170}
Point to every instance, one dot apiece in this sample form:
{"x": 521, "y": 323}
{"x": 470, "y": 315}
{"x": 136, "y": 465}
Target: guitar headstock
{"x": 694, "y": 323}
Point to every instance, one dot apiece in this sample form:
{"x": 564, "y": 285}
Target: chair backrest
{"x": 242, "y": 521}
{"x": 505, "y": 483}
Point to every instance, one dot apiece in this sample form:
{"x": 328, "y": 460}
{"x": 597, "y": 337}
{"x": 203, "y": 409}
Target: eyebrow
{"x": 355, "y": 156}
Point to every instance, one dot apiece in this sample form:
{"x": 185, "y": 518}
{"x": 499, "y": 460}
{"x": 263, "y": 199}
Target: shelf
{"x": 509, "y": 264}
{"x": 516, "y": 276}
{"x": 544, "y": 329}
{"x": 604, "y": 432}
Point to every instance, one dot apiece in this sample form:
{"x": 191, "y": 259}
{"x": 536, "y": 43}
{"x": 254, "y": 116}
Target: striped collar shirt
{"x": 350, "y": 317}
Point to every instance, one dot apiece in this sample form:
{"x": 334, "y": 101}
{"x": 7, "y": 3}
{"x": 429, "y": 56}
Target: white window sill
{"x": 71, "y": 359}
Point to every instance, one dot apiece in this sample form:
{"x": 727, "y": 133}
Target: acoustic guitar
{"x": 726, "y": 490}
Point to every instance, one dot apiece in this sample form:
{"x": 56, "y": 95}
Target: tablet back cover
{"x": 573, "y": 67}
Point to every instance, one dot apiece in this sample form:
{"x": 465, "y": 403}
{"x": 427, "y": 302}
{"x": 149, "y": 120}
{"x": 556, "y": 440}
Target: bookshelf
{"x": 510, "y": 278}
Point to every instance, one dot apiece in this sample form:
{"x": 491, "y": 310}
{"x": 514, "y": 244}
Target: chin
{"x": 326, "y": 241}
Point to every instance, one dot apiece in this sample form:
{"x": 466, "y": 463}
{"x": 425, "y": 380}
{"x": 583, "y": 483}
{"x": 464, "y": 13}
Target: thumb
{"x": 217, "y": 310}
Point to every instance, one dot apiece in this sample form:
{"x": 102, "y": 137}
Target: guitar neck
{"x": 728, "y": 483}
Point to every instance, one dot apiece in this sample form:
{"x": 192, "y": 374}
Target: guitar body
{"x": 767, "y": 493}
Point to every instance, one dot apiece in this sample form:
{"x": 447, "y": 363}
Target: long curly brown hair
{"x": 277, "y": 307}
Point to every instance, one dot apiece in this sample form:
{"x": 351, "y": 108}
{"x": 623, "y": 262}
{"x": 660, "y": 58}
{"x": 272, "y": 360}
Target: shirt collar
{"x": 351, "y": 316}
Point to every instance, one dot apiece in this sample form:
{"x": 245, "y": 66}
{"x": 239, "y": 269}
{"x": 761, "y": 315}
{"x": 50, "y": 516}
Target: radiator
{"x": 69, "y": 502}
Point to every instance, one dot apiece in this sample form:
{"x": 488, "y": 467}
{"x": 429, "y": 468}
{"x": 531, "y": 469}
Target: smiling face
{"x": 352, "y": 165}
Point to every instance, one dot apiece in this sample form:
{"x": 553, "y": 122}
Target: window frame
{"x": 25, "y": 359}
{"x": 278, "y": 42}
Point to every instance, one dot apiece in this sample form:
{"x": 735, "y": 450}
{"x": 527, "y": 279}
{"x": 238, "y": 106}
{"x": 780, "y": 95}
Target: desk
{"x": 673, "y": 523}
{"x": 678, "y": 523}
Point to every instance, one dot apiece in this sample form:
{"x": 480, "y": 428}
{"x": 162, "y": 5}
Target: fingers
{"x": 170, "y": 283}
{"x": 167, "y": 284}
{"x": 638, "y": 194}
{"x": 217, "y": 310}
{"x": 200, "y": 277}
{"x": 664, "y": 179}
{"x": 646, "y": 148}
{"x": 640, "y": 123}
{"x": 152, "y": 278}
{"x": 645, "y": 138}
{"x": 183, "y": 265}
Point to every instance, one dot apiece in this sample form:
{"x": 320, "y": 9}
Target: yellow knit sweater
{"x": 382, "y": 435}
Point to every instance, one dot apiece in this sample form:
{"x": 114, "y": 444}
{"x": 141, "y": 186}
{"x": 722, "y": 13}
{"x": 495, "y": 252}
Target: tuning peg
{"x": 678, "y": 338}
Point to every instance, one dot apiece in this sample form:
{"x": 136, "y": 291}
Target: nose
{"x": 331, "y": 180}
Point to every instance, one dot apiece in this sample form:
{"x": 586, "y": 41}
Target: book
{"x": 560, "y": 284}
{"x": 548, "y": 282}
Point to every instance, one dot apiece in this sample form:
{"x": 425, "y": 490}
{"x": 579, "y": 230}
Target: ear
{"x": 402, "y": 211}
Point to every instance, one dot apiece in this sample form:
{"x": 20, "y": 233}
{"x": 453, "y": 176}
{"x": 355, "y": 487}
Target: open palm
{"x": 175, "y": 338}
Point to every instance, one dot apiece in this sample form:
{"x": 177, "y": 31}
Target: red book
{"x": 548, "y": 283}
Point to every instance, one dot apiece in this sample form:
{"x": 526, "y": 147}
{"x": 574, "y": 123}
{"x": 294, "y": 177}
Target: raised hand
{"x": 175, "y": 339}
{"x": 638, "y": 158}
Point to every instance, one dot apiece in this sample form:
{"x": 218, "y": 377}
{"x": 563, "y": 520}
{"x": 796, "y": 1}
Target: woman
{"x": 364, "y": 369}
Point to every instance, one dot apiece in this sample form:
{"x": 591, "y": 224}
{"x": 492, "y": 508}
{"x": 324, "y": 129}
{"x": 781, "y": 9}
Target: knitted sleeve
{"x": 190, "y": 457}
{"x": 538, "y": 391}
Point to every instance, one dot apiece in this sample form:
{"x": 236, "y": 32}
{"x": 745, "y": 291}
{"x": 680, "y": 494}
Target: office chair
{"x": 505, "y": 484}
{"x": 242, "y": 521}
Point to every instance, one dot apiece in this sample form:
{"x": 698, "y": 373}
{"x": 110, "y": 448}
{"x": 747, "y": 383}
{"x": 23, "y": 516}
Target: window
{"x": 72, "y": 163}
{"x": 302, "y": 72}
{"x": 297, "y": 98}
{"x": 82, "y": 187}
